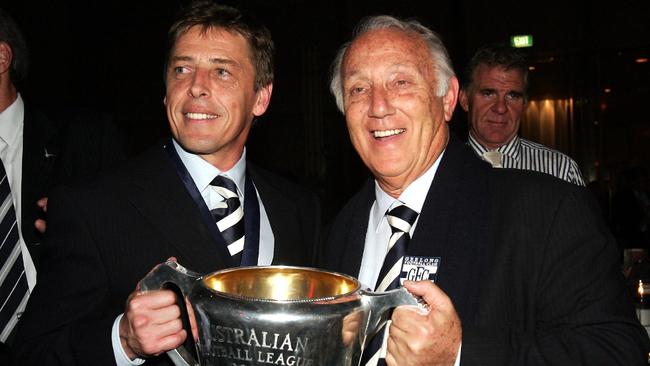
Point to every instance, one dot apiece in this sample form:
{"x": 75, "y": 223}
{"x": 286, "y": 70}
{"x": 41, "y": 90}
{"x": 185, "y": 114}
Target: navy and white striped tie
{"x": 400, "y": 218}
{"x": 14, "y": 290}
{"x": 229, "y": 216}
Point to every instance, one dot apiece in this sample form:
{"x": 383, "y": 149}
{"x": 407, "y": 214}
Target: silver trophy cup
{"x": 277, "y": 315}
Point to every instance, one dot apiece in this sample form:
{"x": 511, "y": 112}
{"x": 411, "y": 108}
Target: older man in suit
{"x": 37, "y": 154}
{"x": 517, "y": 268}
{"x": 195, "y": 198}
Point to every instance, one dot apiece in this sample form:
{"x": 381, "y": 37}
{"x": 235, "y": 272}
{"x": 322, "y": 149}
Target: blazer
{"x": 77, "y": 145}
{"x": 525, "y": 258}
{"x": 105, "y": 236}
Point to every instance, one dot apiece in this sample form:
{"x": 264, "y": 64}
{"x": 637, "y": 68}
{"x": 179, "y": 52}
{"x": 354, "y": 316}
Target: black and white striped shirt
{"x": 523, "y": 154}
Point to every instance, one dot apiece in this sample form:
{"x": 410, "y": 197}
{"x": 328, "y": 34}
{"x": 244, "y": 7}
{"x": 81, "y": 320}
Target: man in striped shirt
{"x": 494, "y": 97}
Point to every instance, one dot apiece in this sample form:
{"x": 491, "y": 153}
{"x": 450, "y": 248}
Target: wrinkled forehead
{"x": 381, "y": 46}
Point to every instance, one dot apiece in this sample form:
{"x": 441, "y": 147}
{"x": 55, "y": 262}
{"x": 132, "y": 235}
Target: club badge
{"x": 420, "y": 268}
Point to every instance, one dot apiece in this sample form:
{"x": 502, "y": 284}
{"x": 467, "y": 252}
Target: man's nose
{"x": 380, "y": 103}
{"x": 500, "y": 105}
{"x": 199, "y": 87}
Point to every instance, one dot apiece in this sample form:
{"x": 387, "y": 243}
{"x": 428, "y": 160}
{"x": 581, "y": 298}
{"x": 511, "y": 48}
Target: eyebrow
{"x": 214, "y": 60}
{"x": 492, "y": 90}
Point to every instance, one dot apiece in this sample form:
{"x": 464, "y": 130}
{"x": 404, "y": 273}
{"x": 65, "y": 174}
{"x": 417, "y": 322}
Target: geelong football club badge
{"x": 419, "y": 268}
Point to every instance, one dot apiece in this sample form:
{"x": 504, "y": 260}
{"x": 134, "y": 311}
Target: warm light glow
{"x": 641, "y": 60}
{"x": 531, "y": 68}
{"x": 640, "y": 289}
{"x": 607, "y": 90}
{"x": 280, "y": 285}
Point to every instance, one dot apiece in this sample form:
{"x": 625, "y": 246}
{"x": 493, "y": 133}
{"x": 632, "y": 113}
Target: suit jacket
{"x": 525, "y": 258}
{"x": 76, "y": 145}
{"x": 105, "y": 236}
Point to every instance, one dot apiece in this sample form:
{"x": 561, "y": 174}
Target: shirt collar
{"x": 203, "y": 173}
{"x": 10, "y": 121}
{"x": 511, "y": 149}
{"x": 413, "y": 196}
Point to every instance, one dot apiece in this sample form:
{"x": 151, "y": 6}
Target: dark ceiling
{"x": 107, "y": 55}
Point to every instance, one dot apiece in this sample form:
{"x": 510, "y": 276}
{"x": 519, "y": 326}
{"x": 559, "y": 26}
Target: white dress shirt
{"x": 379, "y": 232}
{"x": 202, "y": 174}
{"x": 11, "y": 153}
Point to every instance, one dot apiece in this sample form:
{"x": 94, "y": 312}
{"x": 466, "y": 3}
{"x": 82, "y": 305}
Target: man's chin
{"x": 195, "y": 146}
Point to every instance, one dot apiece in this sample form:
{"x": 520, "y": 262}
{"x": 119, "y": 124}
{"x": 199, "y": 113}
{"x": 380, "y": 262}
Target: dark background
{"x": 108, "y": 56}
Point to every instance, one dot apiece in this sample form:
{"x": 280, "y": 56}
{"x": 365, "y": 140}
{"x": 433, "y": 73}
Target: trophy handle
{"x": 381, "y": 302}
{"x": 183, "y": 279}
{"x": 169, "y": 272}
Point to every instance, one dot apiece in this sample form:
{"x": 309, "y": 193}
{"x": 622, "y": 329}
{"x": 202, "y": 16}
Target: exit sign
{"x": 525, "y": 40}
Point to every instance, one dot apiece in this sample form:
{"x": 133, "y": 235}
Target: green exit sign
{"x": 525, "y": 40}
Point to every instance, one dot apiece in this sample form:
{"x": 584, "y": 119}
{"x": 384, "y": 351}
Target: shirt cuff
{"x": 457, "y": 363}
{"x": 121, "y": 359}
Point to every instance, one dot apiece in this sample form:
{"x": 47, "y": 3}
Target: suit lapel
{"x": 282, "y": 215}
{"x": 159, "y": 194}
{"x": 349, "y": 253}
{"x": 40, "y": 151}
{"x": 453, "y": 227}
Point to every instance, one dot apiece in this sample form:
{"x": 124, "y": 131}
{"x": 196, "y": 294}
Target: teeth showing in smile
{"x": 200, "y": 115}
{"x": 387, "y": 133}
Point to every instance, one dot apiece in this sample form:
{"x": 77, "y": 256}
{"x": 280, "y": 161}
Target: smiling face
{"x": 494, "y": 103}
{"x": 211, "y": 98}
{"x": 396, "y": 122}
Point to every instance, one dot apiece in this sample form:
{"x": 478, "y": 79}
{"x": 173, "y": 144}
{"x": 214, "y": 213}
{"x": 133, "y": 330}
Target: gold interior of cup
{"x": 281, "y": 283}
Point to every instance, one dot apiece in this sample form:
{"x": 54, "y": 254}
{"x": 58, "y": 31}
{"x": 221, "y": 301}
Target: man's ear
{"x": 463, "y": 100}
{"x": 6, "y": 56}
{"x": 450, "y": 98}
{"x": 263, "y": 100}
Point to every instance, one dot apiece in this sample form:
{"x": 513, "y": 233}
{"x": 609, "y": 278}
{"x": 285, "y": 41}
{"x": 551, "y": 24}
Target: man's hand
{"x": 151, "y": 324}
{"x": 417, "y": 338}
{"x": 41, "y": 224}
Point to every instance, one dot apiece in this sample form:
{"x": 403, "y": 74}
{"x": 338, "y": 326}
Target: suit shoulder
{"x": 358, "y": 204}
{"x": 511, "y": 176}
{"x": 265, "y": 179}
{"x": 144, "y": 167}
{"x": 515, "y": 183}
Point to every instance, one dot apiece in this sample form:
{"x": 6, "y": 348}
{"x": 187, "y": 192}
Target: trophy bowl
{"x": 278, "y": 315}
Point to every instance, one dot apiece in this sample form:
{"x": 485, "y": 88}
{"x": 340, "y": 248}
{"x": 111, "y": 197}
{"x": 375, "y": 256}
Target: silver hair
{"x": 441, "y": 62}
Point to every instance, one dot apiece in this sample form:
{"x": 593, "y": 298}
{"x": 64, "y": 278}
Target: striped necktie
{"x": 229, "y": 216}
{"x": 14, "y": 290}
{"x": 400, "y": 218}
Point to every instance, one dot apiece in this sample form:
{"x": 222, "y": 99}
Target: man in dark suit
{"x": 37, "y": 154}
{"x": 517, "y": 268}
{"x": 105, "y": 236}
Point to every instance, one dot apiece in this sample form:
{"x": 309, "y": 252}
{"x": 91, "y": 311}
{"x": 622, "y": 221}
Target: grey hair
{"x": 497, "y": 55}
{"x": 441, "y": 62}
